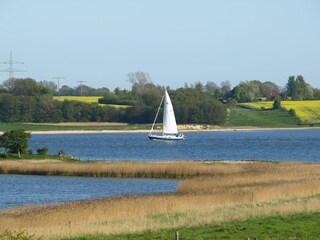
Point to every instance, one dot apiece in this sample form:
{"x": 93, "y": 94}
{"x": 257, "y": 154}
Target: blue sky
{"x": 176, "y": 42}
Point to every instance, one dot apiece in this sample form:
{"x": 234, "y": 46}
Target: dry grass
{"x": 179, "y": 169}
{"x": 216, "y": 192}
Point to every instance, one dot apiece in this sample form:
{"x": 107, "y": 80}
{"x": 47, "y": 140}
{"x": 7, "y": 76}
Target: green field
{"x": 308, "y": 112}
{"x": 296, "y": 226}
{"x": 241, "y": 117}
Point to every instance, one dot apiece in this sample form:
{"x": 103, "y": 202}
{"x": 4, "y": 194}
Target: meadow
{"x": 232, "y": 200}
{"x": 247, "y": 118}
{"x": 308, "y": 112}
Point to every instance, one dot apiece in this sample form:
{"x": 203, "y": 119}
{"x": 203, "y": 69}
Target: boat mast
{"x": 155, "y": 119}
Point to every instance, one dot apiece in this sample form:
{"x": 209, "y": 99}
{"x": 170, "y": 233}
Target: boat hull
{"x": 166, "y": 137}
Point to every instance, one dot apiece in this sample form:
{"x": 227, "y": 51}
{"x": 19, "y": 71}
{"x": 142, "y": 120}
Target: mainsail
{"x": 169, "y": 120}
{"x": 169, "y": 129}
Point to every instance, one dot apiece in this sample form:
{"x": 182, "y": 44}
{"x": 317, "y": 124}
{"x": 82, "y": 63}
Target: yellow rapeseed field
{"x": 258, "y": 105}
{"x": 86, "y": 99}
{"x": 307, "y": 111}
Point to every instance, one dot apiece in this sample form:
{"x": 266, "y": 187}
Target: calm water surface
{"x": 275, "y": 145}
{"x": 20, "y": 190}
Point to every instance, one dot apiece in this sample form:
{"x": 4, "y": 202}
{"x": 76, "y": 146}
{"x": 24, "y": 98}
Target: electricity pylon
{"x": 58, "y": 78}
{"x": 11, "y": 69}
{"x": 81, "y": 86}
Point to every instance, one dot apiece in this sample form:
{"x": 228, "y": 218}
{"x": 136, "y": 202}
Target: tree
{"x": 66, "y": 91}
{"x": 15, "y": 141}
{"x": 211, "y": 87}
{"x": 139, "y": 80}
{"x": 49, "y": 84}
{"x": 277, "y": 103}
{"x": 290, "y": 86}
{"x": 271, "y": 89}
{"x": 25, "y": 87}
{"x": 298, "y": 89}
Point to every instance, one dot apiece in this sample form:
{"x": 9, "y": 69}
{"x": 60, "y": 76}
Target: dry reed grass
{"x": 179, "y": 169}
{"x": 216, "y": 192}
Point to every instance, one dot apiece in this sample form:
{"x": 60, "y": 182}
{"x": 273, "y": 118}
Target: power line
{"x": 11, "y": 69}
{"x": 58, "y": 78}
{"x": 81, "y": 86}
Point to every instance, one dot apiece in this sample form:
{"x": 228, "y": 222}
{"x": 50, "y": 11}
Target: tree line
{"x": 26, "y": 100}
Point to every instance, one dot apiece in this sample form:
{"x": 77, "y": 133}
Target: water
{"x": 275, "y": 145}
{"x": 20, "y": 190}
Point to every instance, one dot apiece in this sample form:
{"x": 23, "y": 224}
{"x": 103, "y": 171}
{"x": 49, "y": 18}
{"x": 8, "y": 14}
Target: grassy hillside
{"x": 241, "y": 117}
{"x": 308, "y": 112}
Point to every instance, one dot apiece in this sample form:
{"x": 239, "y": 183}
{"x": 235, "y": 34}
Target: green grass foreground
{"x": 295, "y": 226}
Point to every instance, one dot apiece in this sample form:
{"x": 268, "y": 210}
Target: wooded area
{"x": 26, "y": 100}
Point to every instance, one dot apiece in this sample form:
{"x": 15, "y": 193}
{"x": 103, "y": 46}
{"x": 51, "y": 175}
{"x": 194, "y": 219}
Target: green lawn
{"x": 268, "y": 119}
{"x": 297, "y": 226}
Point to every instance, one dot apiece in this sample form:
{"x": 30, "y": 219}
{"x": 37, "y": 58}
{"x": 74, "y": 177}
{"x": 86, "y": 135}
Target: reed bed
{"x": 213, "y": 192}
{"x": 179, "y": 169}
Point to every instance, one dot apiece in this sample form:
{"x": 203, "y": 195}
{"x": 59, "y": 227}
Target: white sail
{"x": 169, "y": 130}
{"x": 169, "y": 120}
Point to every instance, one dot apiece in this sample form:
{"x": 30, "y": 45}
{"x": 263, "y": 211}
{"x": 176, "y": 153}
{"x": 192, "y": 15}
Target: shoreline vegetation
{"x": 211, "y": 194}
{"x": 238, "y": 119}
{"x": 100, "y": 128}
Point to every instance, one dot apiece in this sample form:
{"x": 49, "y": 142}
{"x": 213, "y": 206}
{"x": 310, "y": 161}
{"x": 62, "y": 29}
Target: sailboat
{"x": 169, "y": 131}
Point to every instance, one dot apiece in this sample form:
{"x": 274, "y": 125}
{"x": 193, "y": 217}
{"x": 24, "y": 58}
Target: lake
{"x": 21, "y": 190}
{"x": 274, "y": 145}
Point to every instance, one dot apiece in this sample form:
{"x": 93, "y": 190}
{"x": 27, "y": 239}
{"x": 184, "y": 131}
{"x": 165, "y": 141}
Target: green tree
{"x": 298, "y": 89}
{"x": 277, "y": 103}
{"x": 15, "y": 141}
{"x": 25, "y": 87}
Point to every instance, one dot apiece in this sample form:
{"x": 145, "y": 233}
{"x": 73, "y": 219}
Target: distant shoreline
{"x": 185, "y": 130}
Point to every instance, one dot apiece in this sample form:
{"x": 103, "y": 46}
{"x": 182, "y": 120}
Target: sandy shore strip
{"x": 182, "y": 128}
{"x": 147, "y": 131}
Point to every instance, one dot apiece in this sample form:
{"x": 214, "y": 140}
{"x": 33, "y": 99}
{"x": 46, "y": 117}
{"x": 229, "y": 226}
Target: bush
{"x": 276, "y": 103}
{"x": 292, "y": 112}
{"x": 42, "y": 151}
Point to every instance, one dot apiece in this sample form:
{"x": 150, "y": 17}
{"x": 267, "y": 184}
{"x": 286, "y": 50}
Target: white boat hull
{"x": 155, "y": 137}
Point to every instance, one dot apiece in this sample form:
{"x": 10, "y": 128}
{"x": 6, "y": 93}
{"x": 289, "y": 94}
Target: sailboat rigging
{"x": 170, "y": 130}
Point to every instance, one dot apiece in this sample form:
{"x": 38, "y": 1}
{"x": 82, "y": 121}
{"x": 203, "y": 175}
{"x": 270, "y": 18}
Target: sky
{"x": 176, "y": 42}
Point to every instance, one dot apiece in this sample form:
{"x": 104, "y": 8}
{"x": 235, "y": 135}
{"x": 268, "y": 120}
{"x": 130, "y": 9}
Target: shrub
{"x": 276, "y": 103}
{"x": 292, "y": 112}
{"x": 42, "y": 151}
